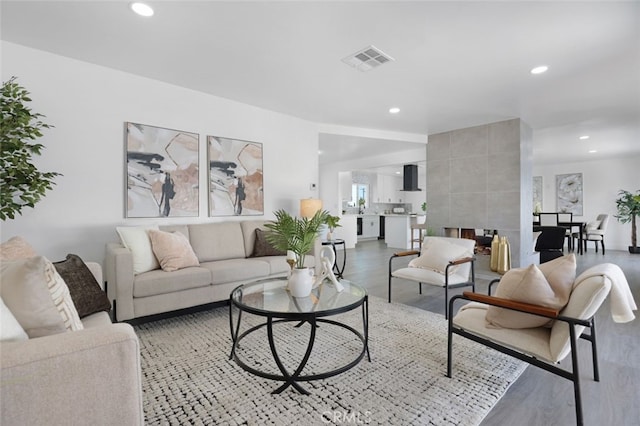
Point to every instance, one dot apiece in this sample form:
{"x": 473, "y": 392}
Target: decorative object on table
{"x": 23, "y": 185}
{"x": 291, "y": 259}
{"x": 569, "y": 193}
{"x": 235, "y": 177}
{"x": 537, "y": 194}
{"x": 332, "y": 223}
{"x": 423, "y": 206}
{"x": 628, "y": 206}
{"x": 504, "y": 256}
{"x": 495, "y": 247}
{"x": 297, "y": 235}
{"x": 327, "y": 260}
{"x": 162, "y": 172}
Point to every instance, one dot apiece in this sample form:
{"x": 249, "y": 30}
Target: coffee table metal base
{"x": 292, "y": 379}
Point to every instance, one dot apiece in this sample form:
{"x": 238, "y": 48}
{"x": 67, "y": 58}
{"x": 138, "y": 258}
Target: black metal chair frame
{"x": 572, "y": 375}
{"x": 471, "y": 283}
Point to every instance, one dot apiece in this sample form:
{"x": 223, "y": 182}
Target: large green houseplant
{"x": 23, "y": 185}
{"x": 295, "y": 234}
{"x": 628, "y": 205}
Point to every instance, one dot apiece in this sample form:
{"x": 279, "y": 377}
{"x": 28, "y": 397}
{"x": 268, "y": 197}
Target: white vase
{"x": 301, "y": 282}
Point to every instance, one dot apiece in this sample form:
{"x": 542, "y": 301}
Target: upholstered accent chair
{"x": 543, "y": 346}
{"x": 595, "y": 231}
{"x": 444, "y": 262}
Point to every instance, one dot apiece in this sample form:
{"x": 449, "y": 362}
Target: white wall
{"x": 601, "y": 179}
{"x": 89, "y": 104}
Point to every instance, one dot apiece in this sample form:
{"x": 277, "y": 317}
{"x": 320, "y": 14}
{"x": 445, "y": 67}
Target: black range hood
{"x": 410, "y": 178}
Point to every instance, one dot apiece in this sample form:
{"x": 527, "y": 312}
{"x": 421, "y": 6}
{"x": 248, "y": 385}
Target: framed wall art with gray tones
{"x": 569, "y": 195}
{"x": 162, "y": 172}
{"x": 235, "y": 177}
{"x": 537, "y": 194}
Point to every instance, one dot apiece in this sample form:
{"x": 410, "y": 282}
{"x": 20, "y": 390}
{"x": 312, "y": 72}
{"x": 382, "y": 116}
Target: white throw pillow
{"x": 38, "y": 297}
{"x": 136, "y": 239}
{"x": 10, "y": 329}
{"x": 172, "y": 250}
{"x": 437, "y": 255}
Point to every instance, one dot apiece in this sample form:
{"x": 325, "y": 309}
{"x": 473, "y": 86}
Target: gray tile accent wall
{"x": 480, "y": 177}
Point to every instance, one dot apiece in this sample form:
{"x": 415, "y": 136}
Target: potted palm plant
{"x": 628, "y": 205}
{"x": 297, "y": 235}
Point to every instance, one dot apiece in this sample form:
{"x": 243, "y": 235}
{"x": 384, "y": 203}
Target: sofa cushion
{"x": 86, "y": 293}
{"x": 10, "y": 328}
{"x": 16, "y": 248}
{"x": 38, "y": 297}
{"x": 160, "y": 282}
{"x": 278, "y": 264}
{"x": 98, "y": 319}
{"x": 262, "y": 247}
{"x": 136, "y": 239}
{"x": 217, "y": 241}
{"x": 233, "y": 270}
{"x": 172, "y": 249}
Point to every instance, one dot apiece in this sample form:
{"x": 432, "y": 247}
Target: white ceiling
{"x": 457, "y": 64}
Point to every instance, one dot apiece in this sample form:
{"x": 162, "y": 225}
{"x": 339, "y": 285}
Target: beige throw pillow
{"x": 437, "y": 255}
{"x": 548, "y": 285}
{"x": 38, "y": 297}
{"x": 16, "y": 248}
{"x": 173, "y": 250}
{"x": 10, "y": 328}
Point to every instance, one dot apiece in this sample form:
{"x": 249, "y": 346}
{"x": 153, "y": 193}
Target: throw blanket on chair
{"x": 622, "y": 302}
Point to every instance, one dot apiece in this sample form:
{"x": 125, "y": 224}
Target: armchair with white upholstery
{"x": 444, "y": 262}
{"x": 545, "y": 346}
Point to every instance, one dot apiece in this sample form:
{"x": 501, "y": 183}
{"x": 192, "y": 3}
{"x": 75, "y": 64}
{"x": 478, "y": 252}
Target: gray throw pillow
{"x": 263, "y": 247}
{"x": 85, "y": 291}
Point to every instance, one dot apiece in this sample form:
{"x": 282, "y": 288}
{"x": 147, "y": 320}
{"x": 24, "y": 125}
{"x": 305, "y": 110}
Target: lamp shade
{"x": 309, "y": 207}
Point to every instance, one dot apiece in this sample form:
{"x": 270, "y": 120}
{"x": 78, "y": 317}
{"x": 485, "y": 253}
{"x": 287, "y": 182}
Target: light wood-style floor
{"x": 537, "y": 397}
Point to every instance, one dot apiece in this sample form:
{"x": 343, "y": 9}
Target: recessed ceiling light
{"x": 593, "y": 151}
{"x": 584, "y": 137}
{"x": 398, "y": 173}
{"x": 394, "y": 110}
{"x": 142, "y": 9}
{"x": 540, "y": 69}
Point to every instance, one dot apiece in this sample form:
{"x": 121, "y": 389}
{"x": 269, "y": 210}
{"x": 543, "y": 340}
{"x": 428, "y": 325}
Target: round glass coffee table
{"x": 270, "y": 299}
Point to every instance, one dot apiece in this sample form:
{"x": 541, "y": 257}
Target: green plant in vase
{"x": 628, "y": 205}
{"x": 332, "y": 223}
{"x": 289, "y": 233}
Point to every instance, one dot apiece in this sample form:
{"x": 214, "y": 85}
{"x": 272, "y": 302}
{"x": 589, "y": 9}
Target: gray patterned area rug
{"x": 189, "y": 379}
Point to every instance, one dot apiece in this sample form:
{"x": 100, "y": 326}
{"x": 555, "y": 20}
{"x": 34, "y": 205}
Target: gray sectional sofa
{"x": 225, "y": 251}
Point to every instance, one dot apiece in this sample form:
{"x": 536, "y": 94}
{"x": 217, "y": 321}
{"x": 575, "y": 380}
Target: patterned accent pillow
{"x": 173, "y": 250}
{"x": 263, "y": 247}
{"x": 38, "y": 297}
{"x": 85, "y": 291}
{"x": 16, "y": 248}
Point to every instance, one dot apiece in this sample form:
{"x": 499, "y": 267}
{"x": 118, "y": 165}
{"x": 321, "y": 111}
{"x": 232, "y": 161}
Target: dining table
{"x": 569, "y": 225}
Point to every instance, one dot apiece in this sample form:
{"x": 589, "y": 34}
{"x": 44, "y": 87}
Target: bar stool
{"x": 421, "y": 228}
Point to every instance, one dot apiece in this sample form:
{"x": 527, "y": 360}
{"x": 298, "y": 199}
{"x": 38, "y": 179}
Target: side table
{"x": 333, "y": 243}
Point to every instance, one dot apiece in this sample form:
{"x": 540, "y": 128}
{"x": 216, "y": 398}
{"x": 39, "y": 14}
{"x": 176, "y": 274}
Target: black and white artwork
{"x": 162, "y": 172}
{"x": 235, "y": 177}
{"x": 569, "y": 193}
{"x": 537, "y": 194}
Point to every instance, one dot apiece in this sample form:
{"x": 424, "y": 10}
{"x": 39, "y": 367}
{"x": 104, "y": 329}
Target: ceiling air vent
{"x": 367, "y": 59}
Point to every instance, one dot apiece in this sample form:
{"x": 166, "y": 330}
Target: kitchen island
{"x": 398, "y": 230}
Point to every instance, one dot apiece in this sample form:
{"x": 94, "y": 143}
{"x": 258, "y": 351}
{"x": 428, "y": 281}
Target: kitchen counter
{"x": 398, "y": 231}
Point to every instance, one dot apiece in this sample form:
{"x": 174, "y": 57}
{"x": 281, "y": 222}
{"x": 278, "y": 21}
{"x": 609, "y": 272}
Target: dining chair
{"x": 548, "y": 219}
{"x": 594, "y": 231}
{"x": 567, "y": 218}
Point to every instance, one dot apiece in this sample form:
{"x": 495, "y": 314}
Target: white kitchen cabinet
{"x": 388, "y": 189}
{"x": 370, "y": 226}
